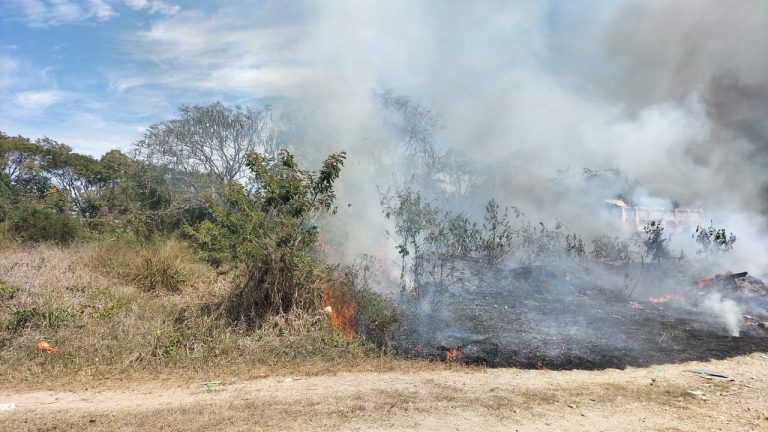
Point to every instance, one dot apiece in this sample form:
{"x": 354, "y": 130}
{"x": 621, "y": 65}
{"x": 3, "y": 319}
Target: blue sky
{"x": 95, "y": 73}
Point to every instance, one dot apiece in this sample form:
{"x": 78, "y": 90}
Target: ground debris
{"x": 741, "y": 282}
{"x": 698, "y": 393}
{"x": 212, "y": 384}
{"x": 710, "y": 372}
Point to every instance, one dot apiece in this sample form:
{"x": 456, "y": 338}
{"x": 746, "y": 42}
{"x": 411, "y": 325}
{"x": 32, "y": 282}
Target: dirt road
{"x": 668, "y": 398}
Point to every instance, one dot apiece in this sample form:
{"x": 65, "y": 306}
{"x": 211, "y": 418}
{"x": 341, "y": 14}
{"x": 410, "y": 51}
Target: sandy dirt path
{"x": 664, "y": 398}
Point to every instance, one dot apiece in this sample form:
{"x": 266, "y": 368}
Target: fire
{"x": 342, "y": 312}
{"x": 453, "y": 355}
{"x": 665, "y": 298}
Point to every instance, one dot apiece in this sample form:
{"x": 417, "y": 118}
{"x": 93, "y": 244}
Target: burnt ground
{"x": 573, "y": 317}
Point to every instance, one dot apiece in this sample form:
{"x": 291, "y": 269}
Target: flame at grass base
{"x": 342, "y": 311}
{"x": 453, "y": 355}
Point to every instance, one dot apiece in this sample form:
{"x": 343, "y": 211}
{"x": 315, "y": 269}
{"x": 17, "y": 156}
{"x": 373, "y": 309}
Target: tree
{"x": 20, "y": 170}
{"x": 413, "y": 218}
{"x": 415, "y": 126}
{"x": 212, "y": 139}
{"x": 81, "y": 175}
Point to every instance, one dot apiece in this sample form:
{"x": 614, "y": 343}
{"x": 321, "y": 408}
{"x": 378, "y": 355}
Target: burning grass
{"x": 577, "y": 315}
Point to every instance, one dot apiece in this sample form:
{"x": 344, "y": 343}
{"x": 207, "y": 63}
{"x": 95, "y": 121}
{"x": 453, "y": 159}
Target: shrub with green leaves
{"x": 270, "y": 230}
{"x": 36, "y": 222}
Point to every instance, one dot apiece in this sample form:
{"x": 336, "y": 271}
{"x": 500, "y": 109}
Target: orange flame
{"x": 453, "y": 355}
{"x": 342, "y": 312}
{"x": 665, "y": 298}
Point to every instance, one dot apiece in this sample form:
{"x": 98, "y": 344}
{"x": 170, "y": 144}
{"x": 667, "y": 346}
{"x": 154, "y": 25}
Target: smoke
{"x": 666, "y": 91}
{"x": 726, "y": 310}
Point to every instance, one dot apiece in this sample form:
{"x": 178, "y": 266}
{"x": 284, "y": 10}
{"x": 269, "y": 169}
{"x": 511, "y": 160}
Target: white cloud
{"x": 153, "y": 6}
{"x": 66, "y": 11}
{"x": 36, "y": 101}
{"x": 43, "y": 13}
{"x": 101, "y": 10}
{"x": 33, "y": 10}
{"x": 223, "y": 52}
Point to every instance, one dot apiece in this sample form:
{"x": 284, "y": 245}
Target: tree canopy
{"x": 213, "y": 140}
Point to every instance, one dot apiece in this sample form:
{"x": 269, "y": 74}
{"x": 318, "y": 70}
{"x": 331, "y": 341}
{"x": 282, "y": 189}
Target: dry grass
{"x": 89, "y": 300}
{"x": 168, "y": 265}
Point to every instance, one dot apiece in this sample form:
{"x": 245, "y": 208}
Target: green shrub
{"x": 376, "y": 314}
{"x": 37, "y": 223}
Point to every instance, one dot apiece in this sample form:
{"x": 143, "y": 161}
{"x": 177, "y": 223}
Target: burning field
{"x": 577, "y": 316}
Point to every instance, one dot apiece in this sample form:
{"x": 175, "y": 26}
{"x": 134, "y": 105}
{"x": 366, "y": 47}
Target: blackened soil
{"x": 571, "y": 317}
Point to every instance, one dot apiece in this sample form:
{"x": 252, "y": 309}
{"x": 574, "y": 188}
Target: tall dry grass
{"x": 96, "y": 303}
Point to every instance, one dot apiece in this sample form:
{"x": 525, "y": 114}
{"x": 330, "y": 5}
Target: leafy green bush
{"x": 37, "y": 223}
{"x": 271, "y": 232}
{"x": 376, "y": 314}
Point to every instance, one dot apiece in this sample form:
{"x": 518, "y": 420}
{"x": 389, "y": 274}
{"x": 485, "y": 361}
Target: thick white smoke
{"x": 665, "y": 91}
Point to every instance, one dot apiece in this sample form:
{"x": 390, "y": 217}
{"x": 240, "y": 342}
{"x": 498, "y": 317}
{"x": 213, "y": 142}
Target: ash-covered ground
{"x": 580, "y": 315}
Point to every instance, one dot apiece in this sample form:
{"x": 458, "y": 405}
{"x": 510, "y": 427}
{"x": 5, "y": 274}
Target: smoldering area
{"x": 579, "y": 315}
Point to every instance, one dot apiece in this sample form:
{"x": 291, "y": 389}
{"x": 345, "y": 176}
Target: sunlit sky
{"x": 94, "y": 73}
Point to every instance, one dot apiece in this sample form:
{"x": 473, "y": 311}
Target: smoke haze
{"x": 672, "y": 93}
